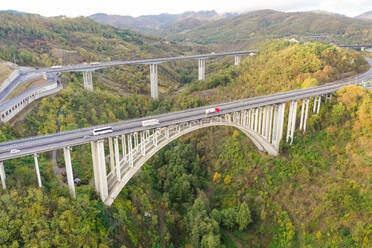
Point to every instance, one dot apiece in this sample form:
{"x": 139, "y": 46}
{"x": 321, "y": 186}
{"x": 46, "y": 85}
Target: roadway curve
{"x": 76, "y": 137}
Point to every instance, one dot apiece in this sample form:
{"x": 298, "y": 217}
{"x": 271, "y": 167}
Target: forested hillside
{"x": 211, "y": 188}
{"x": 246, "y": 30}
{"x": 38, "y": 41}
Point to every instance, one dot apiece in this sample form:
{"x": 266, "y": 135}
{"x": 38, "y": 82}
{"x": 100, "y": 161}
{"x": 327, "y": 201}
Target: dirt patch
{"x": 5, "y": 71}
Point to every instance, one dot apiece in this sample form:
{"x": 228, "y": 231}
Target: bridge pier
{"x": 99, "y": 168}
{"x": 117, "y": 158}
{"x": 304, "y": 113}
{"x": 201, "y": 69}
{"x": 278, "y": 125}
{"x": 2, "y": 175}
{"x": 291, "y": 120}
{"x": 37, "y": 170}
{"x": 69, "y": 173}
{"x": 317, "y": 101}
{"x": 237, "y": 59}
{"x": 112, "y": 155}
{"x": 88, "y": 80}
{"x": 154, "y": 80}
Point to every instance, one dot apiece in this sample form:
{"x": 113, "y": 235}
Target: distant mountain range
{"x": 365, "y": 16}
{"x": 151, "y": 24}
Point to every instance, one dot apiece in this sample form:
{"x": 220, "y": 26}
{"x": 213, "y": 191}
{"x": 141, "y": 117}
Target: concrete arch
{"x": 128, "y": 172}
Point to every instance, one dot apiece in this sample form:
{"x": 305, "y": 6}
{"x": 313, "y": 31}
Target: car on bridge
{"x": 94, "y": 63}
{"x": 56, "y": 67}
{"x": 150, "y": 122}
{"x": 13, "y": 151}
{"x": 102, "y": 130}
{"x": 212, "y": 110}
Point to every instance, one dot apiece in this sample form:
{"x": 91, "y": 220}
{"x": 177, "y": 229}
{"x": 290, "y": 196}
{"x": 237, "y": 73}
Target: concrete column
{"x": 155, "y": 138}
{"x": 154, "y": 80}
{"x": 103, "y": 188}
{"x": 267, "y": 118}
{"x": 259, "y": 121}
{"x": 37, "y": 170}
{"x": 256, "y": 120}
{"x": 201, "y": 69}
{"x": 278, "y": 125}
{"x": 2, "y": 175}
{"x": 123, "y": 146}
{"x": 112, "y": 155}
{"x": 249, "y": 119}
{"x": 281, "y": 120}
{"x": 275, "y": 126}
{"x": 319, "y": 101}
{"x": 143, "y": 151}
{"x": 135, "y": 135}
{"x": 302, "y": 113}
{"x": 306, "y": 113}
{"x": 270, "y": 122}
{"x": 117, "y": 159}
{"x": 88, "y": 80}
{"x": 291, "y": 120}
{"x": 130, "y": 149}
{"x": 69, "y": 173}
{"x": 237, "y": 59}
{"x": 93, "y": 146}
{"x": 252, "y": 118}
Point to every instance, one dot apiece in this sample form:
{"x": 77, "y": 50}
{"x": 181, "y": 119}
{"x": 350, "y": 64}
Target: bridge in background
{"x": 362, "y": 47}
{"x": 10, "y": 108}
{"x": 87, "y": 69}
{"x": 130, "y": 144}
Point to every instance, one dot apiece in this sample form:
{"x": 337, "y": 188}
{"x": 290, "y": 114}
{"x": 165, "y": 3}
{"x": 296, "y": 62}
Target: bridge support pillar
{"x": 130, "y": 150}
{"x": 123, "y": 146}
{"x": 88, "y": 80}
{"x": 291, "y": 120}
{"x": 317, "y": 101}
{"x": 69, "y": 173}
{"x": 94, "y": 151}
{"x": 154, "y": 81}
{"x": 117, "y": 159}
{"x": 2, "y": 175}
{"x": 304, "y": 112}
{"x": 37, "y": 170}
{"x": 201, "y": 69}
{"x": 112, "y": 155}
{"x": 99, "y": 168}
{"x": 237, "y": 59}
{"x": 278, "y": 125}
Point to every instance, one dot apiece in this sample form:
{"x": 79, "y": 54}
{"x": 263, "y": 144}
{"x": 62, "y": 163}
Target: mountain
{"x": 153, "y": 24}
{"x": 246, "y": 30}
{"x": 11, "y": 11}
{"x": 365, "y": 16}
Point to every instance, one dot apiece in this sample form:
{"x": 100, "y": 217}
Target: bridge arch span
{"x": 143, "y": 146}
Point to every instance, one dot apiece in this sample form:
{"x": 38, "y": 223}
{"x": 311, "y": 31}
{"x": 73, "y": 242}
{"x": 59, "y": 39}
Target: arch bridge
{"x": 131, "y": 144}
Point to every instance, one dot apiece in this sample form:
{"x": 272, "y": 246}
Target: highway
{"x": 82, "y": 136}
{"x": 101, "y": 65}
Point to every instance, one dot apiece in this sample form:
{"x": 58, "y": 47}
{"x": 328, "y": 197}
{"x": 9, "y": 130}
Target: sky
{"x": 73, "y": 8}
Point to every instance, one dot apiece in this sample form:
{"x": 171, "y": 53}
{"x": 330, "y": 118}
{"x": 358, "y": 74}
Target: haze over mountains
{"x": 246, "y": 29}
{"x": 365, "y": 16}
{"x": 153, "y": 24}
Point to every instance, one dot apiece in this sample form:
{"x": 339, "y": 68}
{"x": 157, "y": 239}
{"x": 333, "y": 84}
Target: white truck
{"x": 212, "y": 110}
